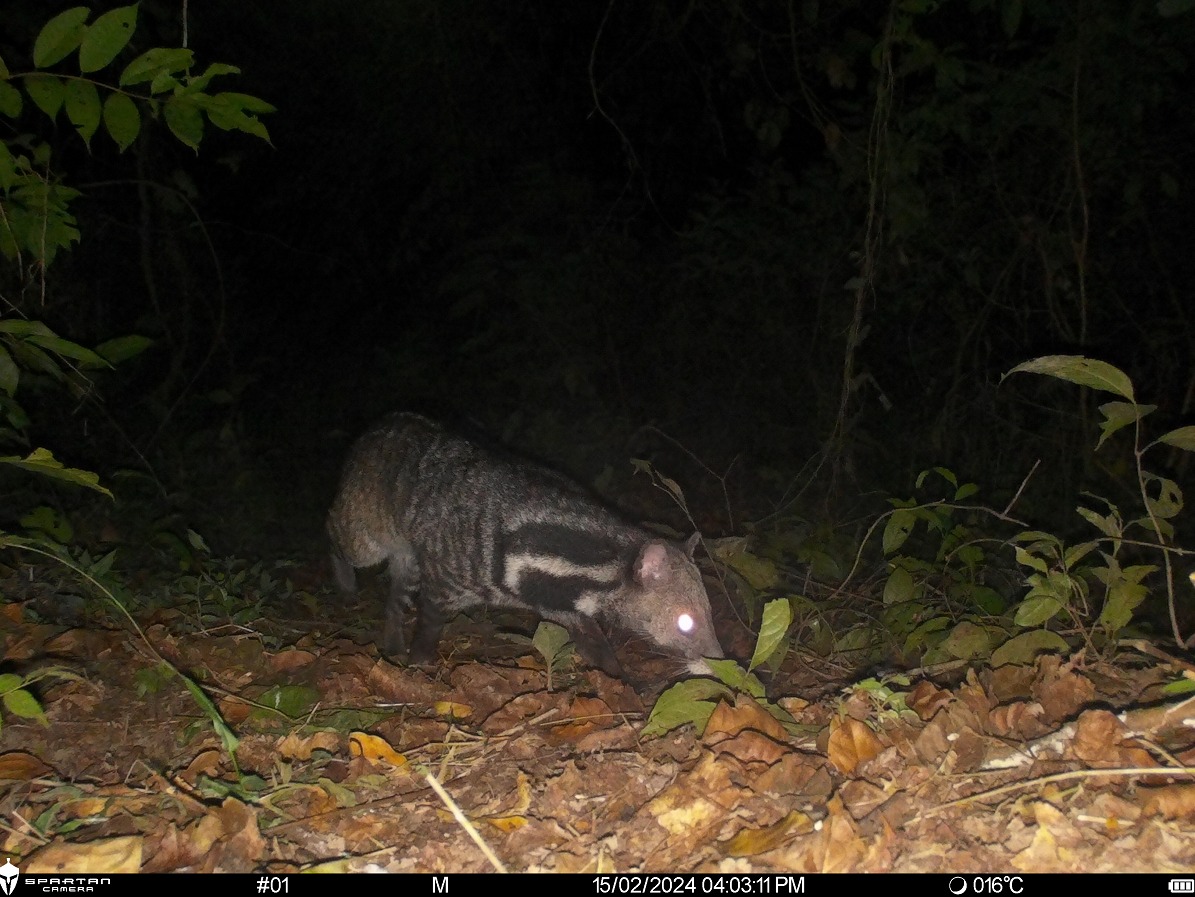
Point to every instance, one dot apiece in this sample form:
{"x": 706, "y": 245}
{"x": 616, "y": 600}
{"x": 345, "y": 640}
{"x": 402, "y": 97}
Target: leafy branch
{"x": 34, "y": 208}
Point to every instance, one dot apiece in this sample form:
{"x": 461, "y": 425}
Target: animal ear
{"x": 652, "y": 563}
{"x": 692, "y": 543}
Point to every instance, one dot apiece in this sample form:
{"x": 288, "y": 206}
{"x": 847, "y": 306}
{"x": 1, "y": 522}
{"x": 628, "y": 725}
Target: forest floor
{"x": 1065, "y": 766}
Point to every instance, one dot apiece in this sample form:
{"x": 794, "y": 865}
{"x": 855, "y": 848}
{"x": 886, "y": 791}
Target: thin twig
{"x": 460, "y": 817}
{"x": 1123, "y": 773}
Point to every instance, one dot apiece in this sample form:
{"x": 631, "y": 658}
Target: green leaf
{"x": 196, "y": 541}
{"x": 67, "y": 349}
{"x": 122, "y": 120}
{"x": 760, "y": 573}
{"x": 83, "y": 108}
{"x": 10, "y": 374}
{"x": 1180, "y": 686}
{"x": 1026, "y": 646}
{"x": 229, "y": 117}
{"x": 1109, "y": 525}
{"x": 926, "y": 634}
{"x": 200, "y": 82}
{"x": 1036, "y": 609}
{"x": 549, "y": 639}
{"x": 3, "y": 69}
{"x": 294, "y": 701}
{"x": 1169, "y": 500}
{"x": 897, "y": 529}
{"x": 948, "y": 475}
{"x": 1118, "y": 415}
{"x": 685, "y": 702}
{"x": 184, "y": 120}
{"x": 21, "y": 703}
{"x": 987, "y": 599}
{"x": 899, "y": 587}
{"x": 901, "y": 619}
{"x": 1080, "y": 370}
{"x": 1076, "y": 553}
{"x": 47, "y": 92}
{"x": 60, "y": 36}
{"x": 164, "y": 82}
{"x": 46, "y": 520}
{"x": 13, "y": 413}
{"x": 1183, "y": 438}
{"x": 11, "y": 101}
{"x": 823, "y": 566}
{"x": 156, "y": 61}
{"x": 122, "y": 348}
{"x": 1124, "y": 596}
{"x": 107, "y": 36}
{"x": 777, "y": 615}
{"x": 965, "y": 491}
{"x": 969, "y": 555}
{"x": 22, "y": 328}
{"x": 1025, "y": 559}
{"x": 231, "y": 742}
{"x": 966, "y": 641}
{"x": 31, "y": 358}
{"x": 857, "y": 638}
{"x": 730, "y": 673}
{"x": 9, "y": 681}
{"x": 43, "y": 462}
{"x": 249, "y": 103}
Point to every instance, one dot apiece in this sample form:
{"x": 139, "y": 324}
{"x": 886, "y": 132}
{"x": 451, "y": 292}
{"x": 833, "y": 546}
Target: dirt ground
{"x": 344, "y": 761}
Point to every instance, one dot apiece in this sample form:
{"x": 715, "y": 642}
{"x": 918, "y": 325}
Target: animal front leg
{"x": 591, "y": 643}
{"x": 428, "y": 626}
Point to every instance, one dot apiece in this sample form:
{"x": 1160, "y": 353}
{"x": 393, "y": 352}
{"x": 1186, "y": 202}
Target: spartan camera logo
{"x": 8, "y": 876}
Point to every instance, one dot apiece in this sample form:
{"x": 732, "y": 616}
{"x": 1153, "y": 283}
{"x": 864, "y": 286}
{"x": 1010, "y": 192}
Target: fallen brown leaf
{"x": 286, "y": 661}
{"x": 752, "y": 842}
{"x": 750, "y": 746}
{"x": 851, "y": 743}
{"x": 834, "y": 847}
{"x": 92, "y": 858}
{"x": 18, "y": 766}
{"x": 1060, "y": 691}
{"x": 1099, "y": 739}
{"x": 1021, "y": 719}
{"x": 926, "y": 699}
{"x": 296, "y": 747}
{"x": 1169, "y": 801}
{"x": 745, "y": 713}
{"x": 206, "y": 763}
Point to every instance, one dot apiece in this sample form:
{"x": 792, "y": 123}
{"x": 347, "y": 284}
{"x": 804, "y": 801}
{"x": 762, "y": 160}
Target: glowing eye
{"x": 685, "y": 623}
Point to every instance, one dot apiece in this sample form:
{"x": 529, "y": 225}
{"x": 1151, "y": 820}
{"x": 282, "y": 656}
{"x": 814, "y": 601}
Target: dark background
{"x": 783, "y": 250}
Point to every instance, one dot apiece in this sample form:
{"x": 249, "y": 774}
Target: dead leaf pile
{"x": 337, "y": 754}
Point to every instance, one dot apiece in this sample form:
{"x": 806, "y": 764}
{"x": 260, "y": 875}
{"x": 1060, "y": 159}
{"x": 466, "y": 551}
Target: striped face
{"x": 647, "y": 585}
{"x": 675, "y": 605}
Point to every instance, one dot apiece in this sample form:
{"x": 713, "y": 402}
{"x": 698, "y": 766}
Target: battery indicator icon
{"x": 1182, "y": 886}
